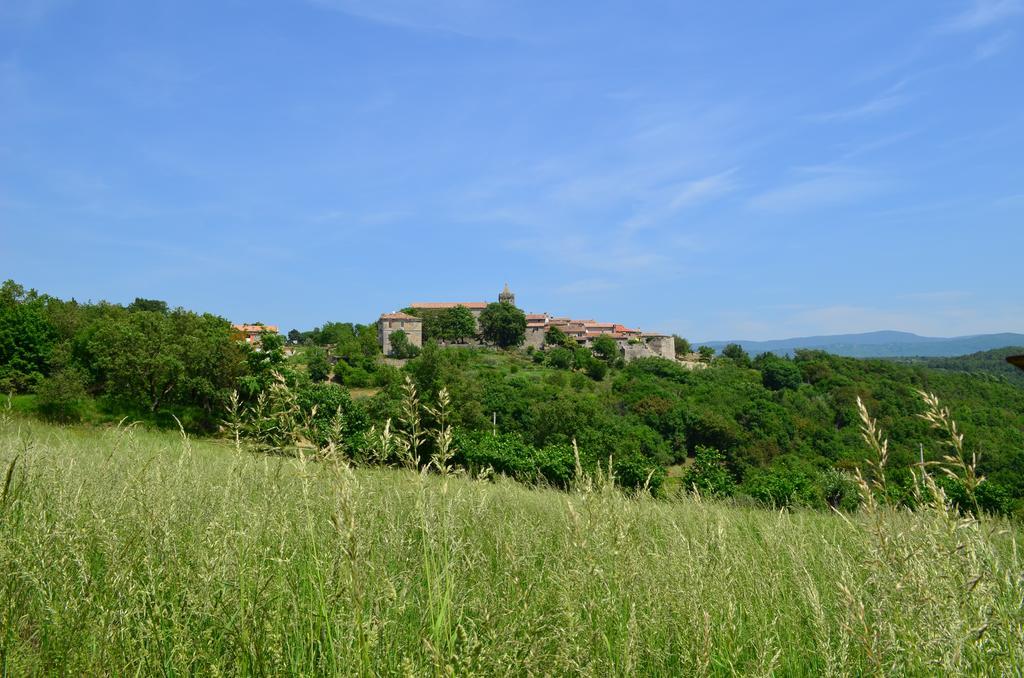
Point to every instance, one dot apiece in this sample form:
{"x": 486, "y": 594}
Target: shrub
{"x": 597, "y": 370}
{"x": 779, "y": 487}
{"x": 62, "y": 396}
{"x": 778, "y": 374}
{"x": 509, "y": 454}
{"x": 335, "y": 417}
{"x": 839, "y": 490}
{"x": 708, "y": 474}
{"x": 560, "y": 358}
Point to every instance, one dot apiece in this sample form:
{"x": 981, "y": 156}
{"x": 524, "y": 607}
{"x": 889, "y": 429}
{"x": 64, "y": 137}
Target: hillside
{"x": 991, "y": 363}
{"x": 124, "y": 552}
{"x": 783, "y": 427}
{"x": 882, "y": 344}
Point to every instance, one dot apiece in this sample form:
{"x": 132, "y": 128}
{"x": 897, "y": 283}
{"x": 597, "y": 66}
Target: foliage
{"x": 708, "y": 474}
{"x": 554, "y": 336}
{"x": 560, "y": 358}
{"x": 62, "y": 396}
{"x": 154, "y": 305}
{"x": 682, "y": 346}
{"x": 148, "y": 359}
{"x": 503, "y": 325}
{"x": 706, "y": 353}
{"x": 778, "y": 373}
{"x": 26, "y": 337}
{"x": 401, "y": 347}
{"x": 317, "y": 364}
{"x": 737, "y": 355}
{"x": 596, "y": 369}
{"x": 605, "y": 348}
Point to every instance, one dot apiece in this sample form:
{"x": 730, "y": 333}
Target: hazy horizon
{"x": 720, "y": 171}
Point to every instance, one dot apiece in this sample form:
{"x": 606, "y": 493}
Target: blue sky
{"x": 718, "y": 169}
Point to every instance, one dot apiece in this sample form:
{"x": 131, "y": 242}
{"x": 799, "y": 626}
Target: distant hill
{"x": 884, "y": 344}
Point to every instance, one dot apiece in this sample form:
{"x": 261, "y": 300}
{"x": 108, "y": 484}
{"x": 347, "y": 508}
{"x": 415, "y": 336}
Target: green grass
{"x": 126, "y": 552}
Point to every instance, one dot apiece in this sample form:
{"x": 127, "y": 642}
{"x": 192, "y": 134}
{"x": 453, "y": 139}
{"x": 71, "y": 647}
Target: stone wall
{"x": 648, "y": 347}
{"x": 387, "y": 326}
{"x": 535, "y": 336}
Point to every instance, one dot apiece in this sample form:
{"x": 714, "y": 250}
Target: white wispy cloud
{"x": 877, "y": 106}
{"x": 981, "y": 14}
{"x": 704, "y": 189}
{"x": 827, "y": 187}
{"x": 991, "y": 48}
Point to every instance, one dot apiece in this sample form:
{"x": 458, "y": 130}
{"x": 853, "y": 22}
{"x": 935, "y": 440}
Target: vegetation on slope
{"x": 991, "y": 363}
{"x": 777, "y": 431}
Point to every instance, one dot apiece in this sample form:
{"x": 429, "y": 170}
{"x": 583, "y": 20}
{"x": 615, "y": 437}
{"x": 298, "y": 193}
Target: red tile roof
{"x": 255, "y": 328}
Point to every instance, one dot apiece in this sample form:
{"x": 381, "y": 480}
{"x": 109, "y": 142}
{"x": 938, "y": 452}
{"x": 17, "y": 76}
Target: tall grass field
{"x": 126, "y": 552}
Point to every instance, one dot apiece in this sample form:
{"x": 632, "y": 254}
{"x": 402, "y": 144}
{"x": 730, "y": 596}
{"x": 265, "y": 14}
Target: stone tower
{"x": 506, "y": 296}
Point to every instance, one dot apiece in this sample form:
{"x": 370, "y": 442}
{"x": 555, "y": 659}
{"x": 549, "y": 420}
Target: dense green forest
{"x": 772, "y": 430}
{"x": 984, "y": 362}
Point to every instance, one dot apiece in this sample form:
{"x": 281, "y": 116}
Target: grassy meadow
{"x": 127, "y": 552}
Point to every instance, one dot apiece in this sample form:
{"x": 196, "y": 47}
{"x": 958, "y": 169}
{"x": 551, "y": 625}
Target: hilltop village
{"x": 632, "y": 343}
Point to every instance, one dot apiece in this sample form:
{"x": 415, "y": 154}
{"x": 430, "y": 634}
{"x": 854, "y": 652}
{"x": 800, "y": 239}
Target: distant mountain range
{"x": 884, "y": 344}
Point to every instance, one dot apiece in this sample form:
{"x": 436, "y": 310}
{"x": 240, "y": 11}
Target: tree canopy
{"x": 503, "y": 325}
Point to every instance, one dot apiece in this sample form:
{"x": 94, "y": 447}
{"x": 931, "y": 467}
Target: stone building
{"x": 632, "y": 343}
{"x": 390, "y": 323}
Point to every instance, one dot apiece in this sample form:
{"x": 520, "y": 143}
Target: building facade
{"x": 390, "y": 323}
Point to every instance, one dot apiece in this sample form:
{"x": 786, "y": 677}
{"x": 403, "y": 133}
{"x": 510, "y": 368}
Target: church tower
{"x": 506, "y": 296}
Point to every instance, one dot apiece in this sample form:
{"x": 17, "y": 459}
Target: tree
{"x": 605, "y": 348}
{"x": 26, "y": 337}
{"x": 139, "y": 359}
{"x": 555, "y": 337}
{"x": 778, "y": 373}
{"x": 735, "y": 353}
{"x": 457, "y": 324}
{"x": 597, "y": 370}
{"x": 503, "y": 325}
{"x": 400, "y": 345}
{"x": 706, "y": 353}
{"x": 560, "y": 358}
{"x": 317, "y": 365}
{"x": 708, "y": 474}
{"x": 154, "y": 305}
{"x": 294, "y": 336}
{"x": 149, "y": 359}
{"x": 683, "y": 346}
{"x": 62, "y": 396}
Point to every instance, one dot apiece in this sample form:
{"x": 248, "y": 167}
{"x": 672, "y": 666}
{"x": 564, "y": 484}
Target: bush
{"x": 560, "y": 358}
{"x": 839, "y": 490}
{"x": 62, "y": 396}
{"x": 509, "y": 454}
{"x": 780, "y": 487}
{"x": 336, "y": 416}
{"x": 709, "y": 475}
{"x": 778, "y": 374}
{"x": 597, "y": 370}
